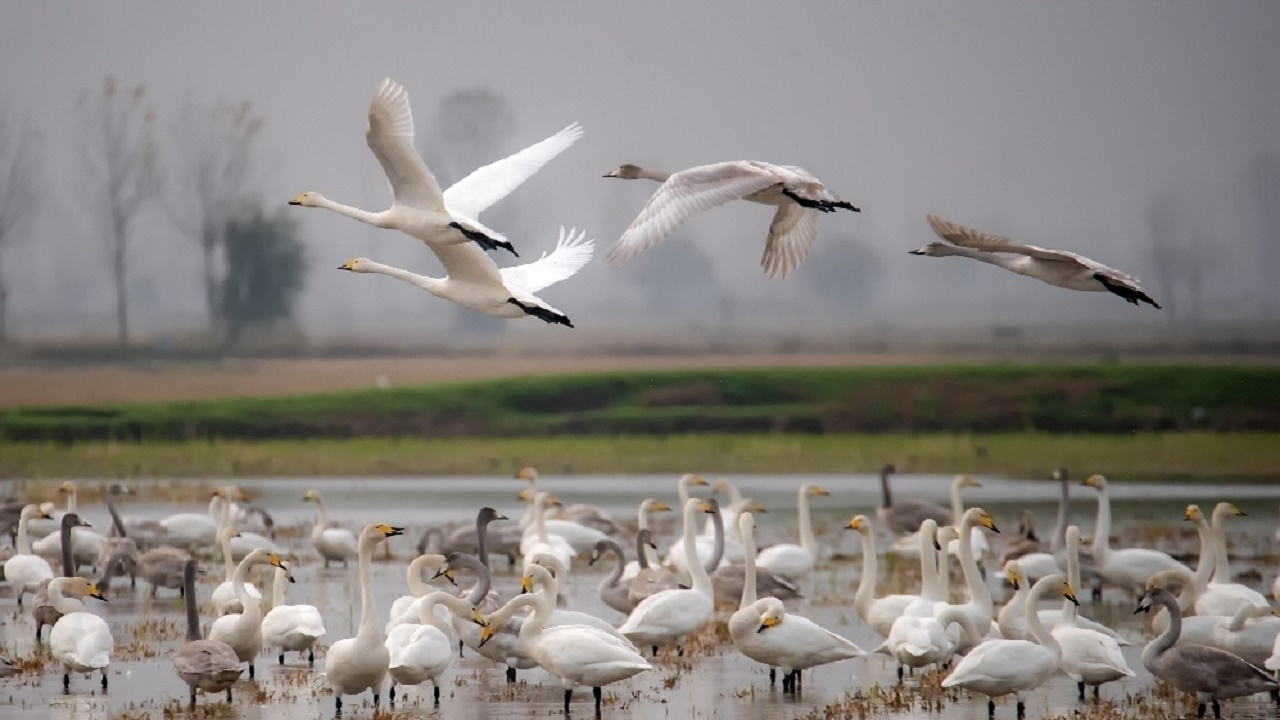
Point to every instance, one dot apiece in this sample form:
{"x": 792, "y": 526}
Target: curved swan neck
{"x": 427, "y": 610}
{"x": 1036, "y": 629}
{"x": 537, "y": 620}
{"x": 24, "y": 542}
{"x": 377, "y": 219}
{"x": 612, "y": 579}
{"x": 69, "y": 521}
{"x": 1166, "y": 640}
{"x": 1102, "y": 533}
{"x": 189, "y": 591}
{"x": 247, "y": 603}
{"x": 806, "y": 526}
{"x": 61, "y": 602}
{"x": 116, "y": 522}
{"x": 484, "y": 580}
{"x": 1208, "y": 554}
{"x": 322, "y": 518}
{"x": 929, "y": 589}
{"x": 368, "y": 633}
{"x": 746, "y": 527}
{"x": 413, "y": 577}
{"x": 697, "y": 573}
{"x": 277, "y": 588}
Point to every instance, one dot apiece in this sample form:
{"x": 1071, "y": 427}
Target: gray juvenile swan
{"x": 799, "y": 197}
{"x": 1206, "y": 672}
{"x": 206, "y": 665}
{"x": 1055, "y": 267}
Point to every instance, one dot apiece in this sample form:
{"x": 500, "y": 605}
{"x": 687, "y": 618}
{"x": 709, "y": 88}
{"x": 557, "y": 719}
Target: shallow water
{"x": 717, "y": 682}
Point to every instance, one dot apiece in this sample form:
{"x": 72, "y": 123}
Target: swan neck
{"x": 957, "y": 505}
{"x": 867, "y": 583}
{"x": 24, "y": 542}
{"x": 806, "y": 526}
{"x": 368, "y": 632}
{"x": 430, "y": 284}
{"x": 227, "y": 566}
{"x": 1060, "y": 529}
{"x": 482, "y": 539}
{"x": 64, "y": 535}
{"x": 1221, "y": 561}
{"x": 539, "y": 518}
{"x": 537, "y": 620}
{"x": 277, "y": 588}
{"x": 1166, "y": 640}
{"x": 1102, "y": 532}
{"x": 929, "y": 589}
{"x": 1208, "y": 555}
{"x": 364, "y": 216}
{"x": 427, "y": 610}
{"x": 697, "y": 573}
{"x": 944, "y": 574}
{"x": 1069, "y": 609}
{"x": 483, "y": 582}
{"x": 1034, "y": 625}
{"x": 749, "y": 561}
{"x": 237, "y": 584}
{"x": 978, "y": 592}
{"x": 717, "y": 548}
{"x": 616, "y": 575}
{"x": 116, "y": 522}
{"x": 193, "y": 613}
{"x": 886, "y": 498}
{"x": 653, "y": 175}
{"x": 72, "y": 504}
{"x": 642, "y": 558}
{"x": 413, "y": 577}
{"x": 62, "y": 603}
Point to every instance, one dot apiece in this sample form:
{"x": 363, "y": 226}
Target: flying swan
{"x": 476, "y": 283}
{"x": 1056, "y": 267}
{"x": 418, "y": 207}
{"x": 799, "y": 197}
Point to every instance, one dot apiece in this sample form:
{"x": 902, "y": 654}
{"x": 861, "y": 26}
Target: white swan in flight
{"x": 1056, "y": 267}
{"x": 418, "y": 207}
{"x": 799, "y": 197}
{"x": 475, "y": 282}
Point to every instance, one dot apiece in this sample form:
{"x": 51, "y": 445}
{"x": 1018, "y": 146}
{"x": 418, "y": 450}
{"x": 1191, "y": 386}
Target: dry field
{"x": 110, "y": 384}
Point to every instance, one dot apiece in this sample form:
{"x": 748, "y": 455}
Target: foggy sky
{"x": 1056, "y": 123}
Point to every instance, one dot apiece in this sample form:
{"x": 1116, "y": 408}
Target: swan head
{"x": 1096, "y": 482}
{"x": 817, "y": 491}
{"x": 79, "y": 587}
{"x": 1193, "y": 514}
{"x": 73, "y": 520}
{"x": 773, "y": 614}
{"x": 1013, "y": 572}
{"x": 945, "y": 535}
{"x": 1226, "y": 509}
{"x": 709, "y": 506}
{"x": 929, "y": 531}
{"x": 262, "y": 556}
{"x": 860, "y": 523}
{"x": 888, "y": 469}
{"x": 1060, "y": 474}
{"x": 548, "y": 500}
{"x": 31, "y": 512}
{"x": 755, "y": 507}
{"x": 652, "y": 505}
{"x": 377, "y": 532}
{"x": 528, "y": 474}
{"x": 116, "y": 489}
{"x": 308, "y": 199}
{"x": 67, "y": 487}
{"x": 360, "y": 265}
{"x": 626, "y": 171}
{"x": 934, "y": 249}
{"x": 645, "y": 536}
{"x": 311, "y": 496}
{"x": 977, "y": 517}
{"x": 488, "y": 514}
{"x": 1155, "y": 596}
{"x": 966, "y": 481}
{"x": 526, "y": 495}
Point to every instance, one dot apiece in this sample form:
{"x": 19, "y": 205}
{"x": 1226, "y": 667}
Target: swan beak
{"x": 349, "y": 265}
{"x": 289, "y": 576}
{"x": 500, "y": 517}
{"x": 485, "y": 635}
{"x": 990, "y": 524}
{"x": 697, "y": 480}
{"x": 1012, "y": 575}
{"x": 611, "y": 173}
{"x": 936, "y": 545}
{"x": 392, "y": 531}
{"x": 594, "y": 558}
{"x": 661, "y": 507}
{"x": 83, "y": 523}
{"x": 526, "y": 584}
{"x": 294, "y": 202}
{"x": 276, "y": 562}
{"x": 1144, "y": 606}
{"x": 652, "y": 544}
{"x": 915, "y": 252}
{"x": 1069, "y": 594}
{"x": 767, "y": 623}
{"x": 820, "y": 492}
{"x": 94, "y": 592}
{"x": 478, "y": 618}
{"x": 1091, "y": 481}
{"x": 706, "y": 508}
{"x": 854, "y": 524}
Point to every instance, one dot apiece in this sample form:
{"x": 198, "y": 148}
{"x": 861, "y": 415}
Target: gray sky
{"x": 1057, "y": 123}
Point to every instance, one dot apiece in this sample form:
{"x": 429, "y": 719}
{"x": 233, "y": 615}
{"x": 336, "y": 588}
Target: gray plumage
{"x": 649, "y": 580}
{"x": 614, "y": 593}
{"x": 728, "y": 581}
{"x": 504, "y": 540}
{"x": 41, "y": 608}
{"x": 1208, "y": 673}
{"x": 905, "y": 518}
{"x": 207, "y": 665}
{"x": 162, "y": 568}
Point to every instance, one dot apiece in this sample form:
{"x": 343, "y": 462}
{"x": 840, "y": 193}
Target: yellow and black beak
{"x": 478, "y": 618}
{"x": 1070, "y": 594}
{"x": 94, "y": 592}
{"x": 766, "y": 624}
{"x": 389, "y": 531}
{"x": 526, "y": 585}
{"x": 485, "y": 634}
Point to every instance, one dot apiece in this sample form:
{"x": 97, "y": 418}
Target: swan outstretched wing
{"x": 485, "y": 186}
{"x": 968, "y": 237}
{"x": 390, "y": 137}
{"x": 467, "y": 262}
{"x": 791, "y": 235}
{"x": 571, "y": 253}
{"x": 683, "y": 195}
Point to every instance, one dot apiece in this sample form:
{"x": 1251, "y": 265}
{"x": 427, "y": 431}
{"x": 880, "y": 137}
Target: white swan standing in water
{"x": 1055, "y": 267}
{"x": 333, "y": 544}
{"x": 799, "y": 197}
{"x": 1215, "y": 593}
{"x": 1089, "y": 656}
{"x": 1129, "y": 567}
{"x": 795, "y": 562}
{"x": 475, "y": 282}
{"x": 356, "y": 664}
{"x": 292, "y": 628}
{"x": 80, "y": 640}
{"x": 418, "y": 207}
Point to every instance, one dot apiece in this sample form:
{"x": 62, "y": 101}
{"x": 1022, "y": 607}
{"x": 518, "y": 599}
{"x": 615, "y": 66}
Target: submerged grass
{"x": 1153, "y": 456}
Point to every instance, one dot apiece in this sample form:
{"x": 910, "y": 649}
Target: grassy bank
{"x": 1241, "y": 456}
{"x": 975, "y": 399}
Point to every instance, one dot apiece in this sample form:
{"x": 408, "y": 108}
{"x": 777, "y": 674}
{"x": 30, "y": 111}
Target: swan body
{"x": 187, "y": 531}
{"x": 225, "y": 597}
{"x": 24, "y": 571}
{"x": 1209, "y": 673}
{"x": 795, "y": 562}
{"x": 291, "y": 628}
{"x": 423, "y": 651}
{"x": 671, "y": 615}
{"x": 648, "y": 580}
{"x": 162, "y": 567}
{"x": 799, "y": 196}
{"x": 475, "y": 282}
{"x": 1089, "y": 656}
{"x": 206, "y": 665}
{"x": 333, "y": 544}
{"x": 611, "y": 589}
{"x": 80, "y": 640}
{"x": 407, "y": 608}
{"x": 1055, "y": 267}
{"x": 1002, "y": 667}
{"x": 1250, "y": 633}
{"x": 1012, "y": 618}
{"x": 574, "y": 654}
{"x": 419, "y": 208}
{"x": 1215, "y": 593}
{"x": 879, "y": 613}
{"x": 243, "y": 630}
{"x": 354, "y": 665}
{"x": 1128, "y": 567}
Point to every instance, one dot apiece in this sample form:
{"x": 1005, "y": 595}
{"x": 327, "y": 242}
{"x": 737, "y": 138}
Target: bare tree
{"x": 120, "y": 156}
{"x": 20, "y": 175}
{"x": 212, "y": 162}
